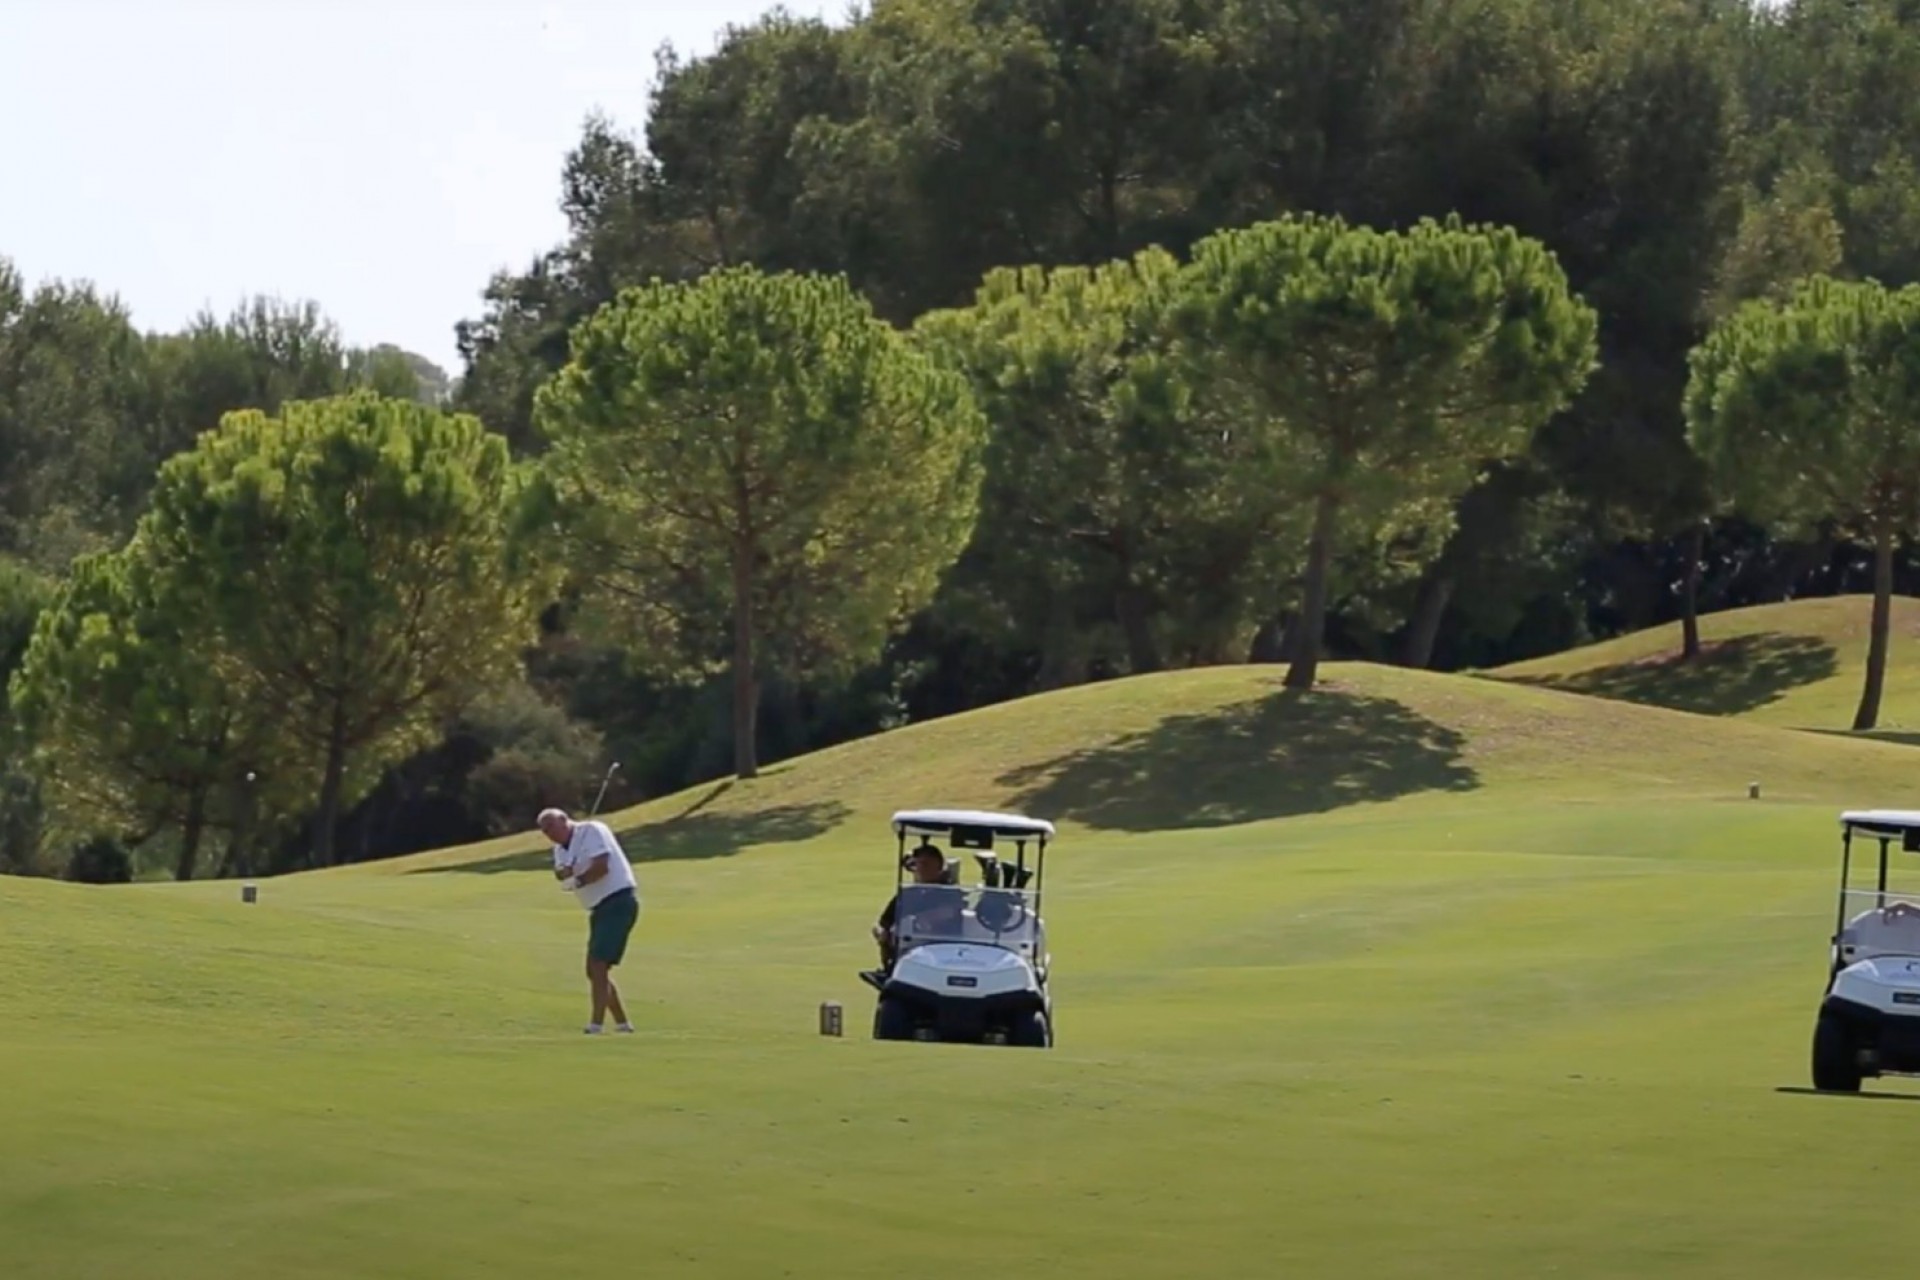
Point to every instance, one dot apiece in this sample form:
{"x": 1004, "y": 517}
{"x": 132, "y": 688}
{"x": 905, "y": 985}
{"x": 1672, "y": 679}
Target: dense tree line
{"x": 973, "y": 348}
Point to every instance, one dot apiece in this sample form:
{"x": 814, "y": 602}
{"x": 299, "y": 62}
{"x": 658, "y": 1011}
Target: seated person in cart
{"x": 929, "y": 866}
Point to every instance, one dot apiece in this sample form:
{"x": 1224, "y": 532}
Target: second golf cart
{"x": 1869, "y": 1021}
{"x": 969, "y": 961}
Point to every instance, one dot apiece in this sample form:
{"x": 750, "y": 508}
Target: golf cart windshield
{"x": 1002, "y": 918}
{"x": 1878, "y": 924}
{"x": 1875, "y": 921}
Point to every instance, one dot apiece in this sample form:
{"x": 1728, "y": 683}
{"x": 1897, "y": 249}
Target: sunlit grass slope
{"x": 1227, "y": 746}
{"x": 1410, "y": 976}
{"x": 1800, "y": 664}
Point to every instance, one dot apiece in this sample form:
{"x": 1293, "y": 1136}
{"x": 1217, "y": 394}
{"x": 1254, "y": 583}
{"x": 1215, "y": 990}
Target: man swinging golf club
{"x": 588, "y": 861}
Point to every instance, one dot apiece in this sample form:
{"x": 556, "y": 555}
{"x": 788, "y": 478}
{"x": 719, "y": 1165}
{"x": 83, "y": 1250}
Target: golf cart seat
{"x": 1872, "y": 933}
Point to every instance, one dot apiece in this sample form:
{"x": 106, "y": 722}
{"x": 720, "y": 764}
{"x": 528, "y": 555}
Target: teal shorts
{"x": 608, "y": 926}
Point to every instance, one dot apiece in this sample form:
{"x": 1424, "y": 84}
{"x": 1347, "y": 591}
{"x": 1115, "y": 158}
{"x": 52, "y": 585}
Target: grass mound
{"x": 1225, "y": 747}
{"x": 1412, "y": 975}
{"x": 1799, "y": 664}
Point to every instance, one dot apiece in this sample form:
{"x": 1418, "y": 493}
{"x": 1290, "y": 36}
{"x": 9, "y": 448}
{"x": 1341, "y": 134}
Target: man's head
{"x": 927, "y": 863}
{"x": 555, "y": 825}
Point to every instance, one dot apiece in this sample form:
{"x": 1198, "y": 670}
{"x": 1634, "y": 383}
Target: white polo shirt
{"x": 590, "y": 839}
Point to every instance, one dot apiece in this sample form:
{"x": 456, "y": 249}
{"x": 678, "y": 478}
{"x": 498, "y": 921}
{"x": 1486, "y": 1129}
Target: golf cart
{"x": 970, "y": 961}
{"x": 1869, "y": 1023}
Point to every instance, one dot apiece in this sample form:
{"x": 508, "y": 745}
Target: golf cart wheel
{"x": 893, "y": 1020}
{"x": 1836, "y": 1066}
{"x": 1030, "y": 1031}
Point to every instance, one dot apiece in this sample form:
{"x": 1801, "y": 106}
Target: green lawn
{"x": 1800, "y": 665}
{"x": 1414, "y": 976}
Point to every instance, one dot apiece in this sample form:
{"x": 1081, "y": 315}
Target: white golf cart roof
{"x": 1882, "y": 822}
{"x": 943, "y": 821}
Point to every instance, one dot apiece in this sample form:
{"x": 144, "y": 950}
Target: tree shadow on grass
{"x": 1892, "y": 737}
{"x": 1731, "y": 676}
{"x": 1281, "y": 756}
{"x": 689, "y": 835}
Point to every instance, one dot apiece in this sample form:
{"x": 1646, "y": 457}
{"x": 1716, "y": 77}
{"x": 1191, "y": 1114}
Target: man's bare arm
{"x": 594, "y": 871}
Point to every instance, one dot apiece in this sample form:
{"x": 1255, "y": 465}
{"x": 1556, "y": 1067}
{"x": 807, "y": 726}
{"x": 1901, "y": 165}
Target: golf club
{"x": 603, "y": 789}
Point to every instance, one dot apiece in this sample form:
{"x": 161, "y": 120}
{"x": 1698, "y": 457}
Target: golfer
{"x": 588, "y": 860}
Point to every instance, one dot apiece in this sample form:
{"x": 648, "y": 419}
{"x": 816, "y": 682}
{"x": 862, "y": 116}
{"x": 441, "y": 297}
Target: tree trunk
{"x": 1215, "y": 648}
{"x": 1312, "y": 623}
{"x": 1423, "y": 629}
{"x": 746, "y": 690}
{"x": 1290, "y": 633}
{"x": 327, "y": 820}
{"x": 1143, "y": 654}
{"x": 190, "y": 835}
{"x": 238, "y": 857}
{"x": 1690, "y": 594}
{"x": 1270, "y": 641}
{"x": 1059, "y": 647}
{"x": 1110, "y": 210}
{"x": 1869, "y": 713}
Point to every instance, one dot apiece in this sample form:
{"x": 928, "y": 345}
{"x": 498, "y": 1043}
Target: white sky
{"x": 381, "y": 157}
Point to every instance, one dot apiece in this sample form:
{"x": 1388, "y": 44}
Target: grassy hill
{"x": 1413, "y": 975}
{"x": 1227, "y": 746}
{"x": 1799, "y": 664}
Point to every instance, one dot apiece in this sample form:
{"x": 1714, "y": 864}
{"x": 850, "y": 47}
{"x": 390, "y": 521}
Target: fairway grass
{"x": 1412, "y": 976}
{"x": 1799, "y": 665}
